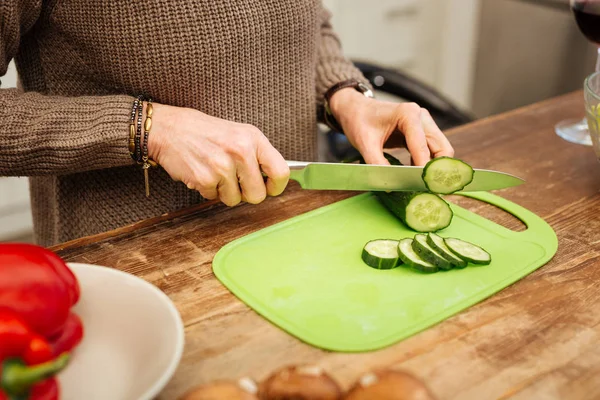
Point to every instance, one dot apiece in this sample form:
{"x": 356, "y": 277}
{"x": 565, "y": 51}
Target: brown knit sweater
{"x": 80, "y": 64}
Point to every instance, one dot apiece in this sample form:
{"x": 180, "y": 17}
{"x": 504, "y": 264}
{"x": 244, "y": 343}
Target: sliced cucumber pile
{"x": 446, "y": 175}
{"x": 426, "y": 253}
{"x": 426, "y": 213}
{"x": 381, "y": 254}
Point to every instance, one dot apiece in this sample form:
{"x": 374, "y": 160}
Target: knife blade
{"x": 368, "y": 177}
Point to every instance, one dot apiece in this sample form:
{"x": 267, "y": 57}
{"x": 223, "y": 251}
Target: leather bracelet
{"x": 327, "y": 115}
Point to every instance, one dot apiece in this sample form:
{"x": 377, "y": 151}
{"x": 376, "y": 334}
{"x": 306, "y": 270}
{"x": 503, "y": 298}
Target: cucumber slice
{"x": 381, "y": 254}
{"x": 421, "y": 212}
{"x": 412, "y": 259}
{"x": 446, "y": 175}
{"x": 437, "y": 243}
{"x": 468, "y": 251}
{"x": 427, "y": 253}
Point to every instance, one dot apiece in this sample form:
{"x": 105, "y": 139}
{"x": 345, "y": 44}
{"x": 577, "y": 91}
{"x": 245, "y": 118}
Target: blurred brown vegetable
{"x": 300, "y": 383}
{"x": 244, "y": 389}
{"x": 389, "y": 385}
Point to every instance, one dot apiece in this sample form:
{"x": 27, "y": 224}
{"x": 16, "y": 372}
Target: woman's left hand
{"x": 369, "y": 123}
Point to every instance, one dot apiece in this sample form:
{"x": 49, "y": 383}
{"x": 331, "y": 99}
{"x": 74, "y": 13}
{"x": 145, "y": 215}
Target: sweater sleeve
{"x": 53, "y": 135}
{"x": 332, "y": 65}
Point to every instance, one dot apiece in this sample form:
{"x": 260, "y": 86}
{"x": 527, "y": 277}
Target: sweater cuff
{"x": 53, "y": 135}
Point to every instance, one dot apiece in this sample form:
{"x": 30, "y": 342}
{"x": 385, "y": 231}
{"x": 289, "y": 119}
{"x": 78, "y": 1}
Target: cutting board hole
{"x": 488, "y": 211}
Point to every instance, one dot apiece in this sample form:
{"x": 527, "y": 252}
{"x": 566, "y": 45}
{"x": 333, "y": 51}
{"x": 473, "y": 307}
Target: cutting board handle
{"x": 537, "y": 228}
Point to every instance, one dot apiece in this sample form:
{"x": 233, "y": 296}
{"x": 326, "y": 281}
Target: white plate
{"x": 133, "y": 338}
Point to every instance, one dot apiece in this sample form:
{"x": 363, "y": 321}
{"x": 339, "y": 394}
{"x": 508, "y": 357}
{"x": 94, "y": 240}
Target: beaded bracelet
{"x": 132, "y": 141}
{"x": 138, "y": 134}
{"x": 138, "y": 144}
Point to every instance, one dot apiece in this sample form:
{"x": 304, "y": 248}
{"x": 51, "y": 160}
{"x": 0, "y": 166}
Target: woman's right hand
{"x": 218, "y": 158}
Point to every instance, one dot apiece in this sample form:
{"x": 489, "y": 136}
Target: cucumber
{"x": 468, "y": 251}
{"x": 437, "y": 243}
{"x": 421, "y": 212}
{"x": 381, "y": 254}
{"x": 446, "y": 175}
{"x": 412, "y": 259}
{"x": 427, "y": 253}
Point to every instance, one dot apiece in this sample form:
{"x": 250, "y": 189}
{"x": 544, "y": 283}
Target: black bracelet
{"x": 134, "y": 109}
{"x": 138, "y": 134}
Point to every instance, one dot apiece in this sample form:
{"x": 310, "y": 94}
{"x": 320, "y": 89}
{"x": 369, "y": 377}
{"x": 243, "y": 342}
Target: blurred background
{"x": 483, "y": 56}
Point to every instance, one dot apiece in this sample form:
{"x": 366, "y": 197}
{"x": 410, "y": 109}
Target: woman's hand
{"x": 369, "y": 123}
{"x": 218, "y": 158}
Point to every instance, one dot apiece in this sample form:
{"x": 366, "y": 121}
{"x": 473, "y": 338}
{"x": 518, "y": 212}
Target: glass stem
{"x": 598, "y": 61}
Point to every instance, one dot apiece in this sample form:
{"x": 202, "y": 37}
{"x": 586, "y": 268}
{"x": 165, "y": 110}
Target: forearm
{"x": 52, "y": 135}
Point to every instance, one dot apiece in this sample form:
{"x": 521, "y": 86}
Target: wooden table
{"x": 539, "y": 338}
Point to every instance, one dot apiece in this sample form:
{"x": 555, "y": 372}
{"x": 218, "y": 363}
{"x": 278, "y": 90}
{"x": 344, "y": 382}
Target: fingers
{"x": 251, "y": 182}
{"x": 216, "y": 179}
{"x": 227, "y": 166}
{"x": 438, "y": 142}
{"x": 229, "y": 189}
{"x": 410, "y": 124}
{"x": 372, "y": 152}
{"x": 274, "y": 166}
{"x": 204, "y": 181}
{"x": 209, "y": 193}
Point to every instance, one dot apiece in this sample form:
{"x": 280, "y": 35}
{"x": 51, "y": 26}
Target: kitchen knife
{"x": 367, "y": 177}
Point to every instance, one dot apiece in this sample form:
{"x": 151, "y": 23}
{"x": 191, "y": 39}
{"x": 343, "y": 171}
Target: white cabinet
{"x": 432, "y": 40}
{"x": 15, "y": 208}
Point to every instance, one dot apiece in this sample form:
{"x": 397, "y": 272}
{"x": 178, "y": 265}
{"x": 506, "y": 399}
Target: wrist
{"x": 344, "y": 101}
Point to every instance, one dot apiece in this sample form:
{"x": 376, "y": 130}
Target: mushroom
{"x": 244, "y": 389}
{"x": 300, "y": 383}
{"x": 389, "y": 385}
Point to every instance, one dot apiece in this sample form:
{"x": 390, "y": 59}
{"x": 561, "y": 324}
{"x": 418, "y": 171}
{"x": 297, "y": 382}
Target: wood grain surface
{"x": 539, "y": 338}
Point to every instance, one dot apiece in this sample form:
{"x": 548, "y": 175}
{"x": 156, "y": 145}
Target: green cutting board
{"x": 306, "y": 275}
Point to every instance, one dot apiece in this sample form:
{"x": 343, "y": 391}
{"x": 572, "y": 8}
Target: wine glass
{"x": 587, "y": 15}
{"x": 592, "y": 108}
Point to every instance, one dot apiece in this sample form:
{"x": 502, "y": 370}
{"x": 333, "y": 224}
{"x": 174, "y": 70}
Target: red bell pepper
{"x": 27, "y": 364}
{"x": 61, "y": 269}
{"x": 17, "y": 339}
{"x": 38, "y": 286}
{"x": 70, "y": 337}
{"x": 45, "y": 390}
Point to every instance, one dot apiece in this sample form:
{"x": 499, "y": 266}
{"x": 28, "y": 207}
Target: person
{"x": 235, "y": 88}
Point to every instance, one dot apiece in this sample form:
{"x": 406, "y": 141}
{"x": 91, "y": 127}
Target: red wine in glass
{"x": 587, "y": 15}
